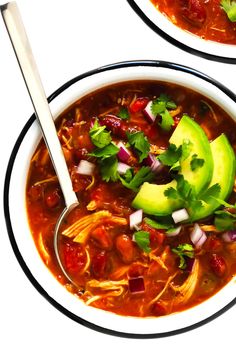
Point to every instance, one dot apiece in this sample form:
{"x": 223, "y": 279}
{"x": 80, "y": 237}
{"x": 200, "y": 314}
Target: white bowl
{"x": 16, "y": 218}
{"x": 181, "y": 38}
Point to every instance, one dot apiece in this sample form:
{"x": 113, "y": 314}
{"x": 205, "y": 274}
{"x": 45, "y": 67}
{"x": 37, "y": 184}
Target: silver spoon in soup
{"x": 26, "y": 61}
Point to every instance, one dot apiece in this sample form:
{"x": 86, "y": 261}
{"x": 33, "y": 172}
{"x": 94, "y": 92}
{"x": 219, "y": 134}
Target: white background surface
{"x": 68, "y": 38}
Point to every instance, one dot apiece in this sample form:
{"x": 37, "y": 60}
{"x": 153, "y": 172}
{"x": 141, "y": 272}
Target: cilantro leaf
{"x": 161, "y": 103}
{"x": 224, "y": 220}
{"x": 223, "y": 202}
{"x": 160, "y": 107}
{"x": 99, "y": 135}
{"x": 134, "y": 181}
{"x": 183, "y": 250}
{"x": 139, "y": 141}
{"x": 211, "y": 192}
{"x": 142, "y": 239}
{"x": 108, "y": 169}
{"x": 104, "y": 153}
{"x": 185, "y": 193}
{"x": 173, "y": 156}
{"x": 123, "y": 113}
{"x": 157, "y": 225}
{"x": 166, "y": 120}
{"x": 196, "y": 163}
{"x": 229, "y": 7}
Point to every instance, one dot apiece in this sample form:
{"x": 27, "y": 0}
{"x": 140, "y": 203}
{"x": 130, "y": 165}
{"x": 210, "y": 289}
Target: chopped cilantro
{"x": 134, "y": 181}
{"x": 173, "y": 156}
{"x": 123, "y": 113}
{"x": 108, "y": 169}
{"x": 160, "y": 107}
{"x": 99, "y": 135}
{"x": 166, "y": 120}
{"x": 139, "y": 141}
{"x": 142, "y": 239}
{"x": 107, "y": 151}
{"x": 157, "y": 225}
{"x": 161, "y": 103}
{"x": 186, "y": 193}
{"x": 224, "y": 219}
{"x": 183, "y": 250}
{"x": 229, "y": 7}
{"x": 196, "y": 163}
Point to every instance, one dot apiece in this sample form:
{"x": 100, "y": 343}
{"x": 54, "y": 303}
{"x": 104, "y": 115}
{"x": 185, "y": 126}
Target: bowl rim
{"x": 176, "y": 42}
{"x": 6, "y": 204}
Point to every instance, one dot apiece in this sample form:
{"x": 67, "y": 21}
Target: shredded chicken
{"x": 186, "y": 290}
{"x": 163, "y": 290}
{"x": 160, "y": 259}
{"x": 46, "y": 180}
{"x": 112, "y": 288}
{"x": 81, "y": 229}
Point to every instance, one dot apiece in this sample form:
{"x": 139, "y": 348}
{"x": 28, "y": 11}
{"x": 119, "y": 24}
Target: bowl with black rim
{"x": 20, "y": 234}
{"x": 182, "y": 38}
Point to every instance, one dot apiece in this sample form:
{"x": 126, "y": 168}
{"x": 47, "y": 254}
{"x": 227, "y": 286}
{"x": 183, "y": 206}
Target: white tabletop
{"x": 69, "y": 38}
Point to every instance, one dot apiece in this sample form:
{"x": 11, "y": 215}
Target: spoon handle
{"x": 24, "y": 55}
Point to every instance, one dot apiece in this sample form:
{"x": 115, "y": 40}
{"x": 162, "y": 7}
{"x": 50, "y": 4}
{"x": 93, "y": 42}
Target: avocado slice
{"x": 223, "y": 173}
{"x": 151, "y": 197}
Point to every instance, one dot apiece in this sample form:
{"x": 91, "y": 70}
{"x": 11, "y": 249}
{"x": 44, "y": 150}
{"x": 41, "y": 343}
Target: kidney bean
{"x": 193, "y": 11}
{"x": 100, "y": 264}
{"x": 52, "y": 198}
{"x": 102, "y": 238}
{"x": 218, "y": 265}
{"x": 126, "y": 248}
{"x": 115, "y": 125}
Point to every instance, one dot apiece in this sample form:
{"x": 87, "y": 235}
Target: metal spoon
{"x": 24, "y": 55}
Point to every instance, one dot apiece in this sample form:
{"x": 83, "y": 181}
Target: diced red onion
{"x": 229, "y": 236}
{"x": 174, "y": 232}
{"x": 122, "y": 168}
{"x": 135, "y": 219}
{"x": 198, "y": 236}
{"x": 123, "y": 154}
{"x": 86, "y": 168}
{"x": 148, "y": 112}
{"x": 201, "y": 241}
{"x": 136, "y": 285}
{"x": 180, "y": 215}
{"x": 153, "y": 163}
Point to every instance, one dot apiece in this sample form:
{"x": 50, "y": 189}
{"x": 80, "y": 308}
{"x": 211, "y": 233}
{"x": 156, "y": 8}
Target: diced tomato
{"x": 159, "y": 309}
{"x": 74, "y": 257}
{"x": 157, "y": 237}
{"x": 125, "y": 247}
{"x": 218, "y": 265}
{"x": 193, "y": 11}
{"x": 139, "y": 104}
{"x": 136, "y": 270}
{"x": 102, "y": 238}
{"x": 100, "y": 264}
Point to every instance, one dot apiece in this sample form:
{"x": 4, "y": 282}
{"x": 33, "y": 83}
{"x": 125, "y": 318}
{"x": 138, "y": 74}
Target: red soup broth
{"x": 97, "y": 246}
